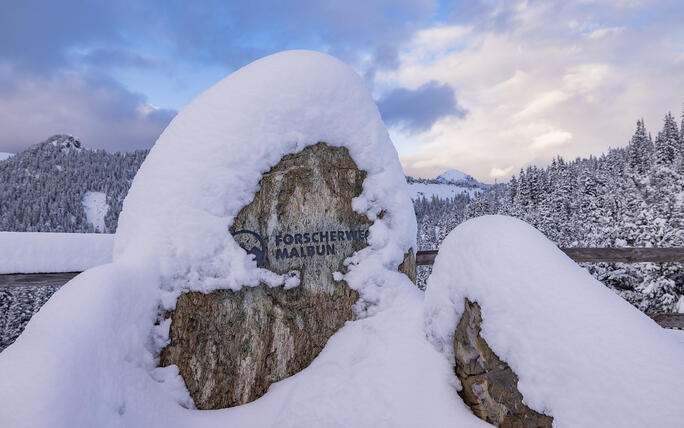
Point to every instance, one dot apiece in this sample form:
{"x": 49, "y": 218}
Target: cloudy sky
{"x": 486, "y": 87}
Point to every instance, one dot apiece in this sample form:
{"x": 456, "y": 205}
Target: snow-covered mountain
{"x": 65, "y": 143}
{"x": 454, "y": 176}
{"x": 44, "y": 188}
{"x": 448, "y": 185}
{"x": 4, "y": 156}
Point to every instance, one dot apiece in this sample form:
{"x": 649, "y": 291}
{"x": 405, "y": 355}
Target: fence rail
{"x": 596, "y": 255}
{"x": 427, "y": 258}
{"x": 36, "y": 279}
{"x": 423, "y": 258}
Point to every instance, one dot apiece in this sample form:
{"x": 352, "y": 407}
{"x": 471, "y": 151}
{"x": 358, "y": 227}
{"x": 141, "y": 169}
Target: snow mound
{"x": 39, "y": 252}
{"x": 99, "y": 329}
{"x": 95, "y": 207}
{"x": 583, "y": 354}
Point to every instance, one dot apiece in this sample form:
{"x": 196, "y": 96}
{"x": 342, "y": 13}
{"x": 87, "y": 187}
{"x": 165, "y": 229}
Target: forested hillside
{"x": 628, "y": 197}
{"x": 42, "y": 188}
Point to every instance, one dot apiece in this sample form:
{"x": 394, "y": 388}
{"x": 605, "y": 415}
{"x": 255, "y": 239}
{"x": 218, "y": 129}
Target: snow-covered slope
{"x": 583, "y": 354}
{"x": 38, "y": 252}
{"x": 95, "y": 206}
{"x": 449, "y": 184}
{"x": 4, "y": 156}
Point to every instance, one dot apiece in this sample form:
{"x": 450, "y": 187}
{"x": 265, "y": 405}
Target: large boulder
{"x": 231, "y": 346}
{"x": 490, "y": 387}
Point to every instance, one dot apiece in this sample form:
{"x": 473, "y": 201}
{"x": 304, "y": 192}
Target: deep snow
{"x": 583, "y": 354}
{"x": 40, "y": 252}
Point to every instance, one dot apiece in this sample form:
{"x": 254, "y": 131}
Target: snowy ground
{"x": 39, "y": 252}
{"x": 4, "y": 156}
{"x": 17, "y": 307}
{"x": 95, "y": 207}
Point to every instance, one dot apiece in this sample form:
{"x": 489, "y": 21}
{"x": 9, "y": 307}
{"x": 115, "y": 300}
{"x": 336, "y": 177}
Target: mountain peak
{"x": 455, "y": 176}
{"x": 64, "y": 142}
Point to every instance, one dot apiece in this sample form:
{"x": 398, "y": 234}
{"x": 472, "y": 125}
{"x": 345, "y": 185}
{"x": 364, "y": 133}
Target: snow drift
{"x": 40, "y": 252}
{"x": 583, "y": 354}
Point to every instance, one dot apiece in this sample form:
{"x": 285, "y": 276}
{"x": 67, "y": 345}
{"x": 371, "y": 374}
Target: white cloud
{"x": 541, "y": 103}
{"x": 603, "y": 32}
{"x": 441, "y": 38}
{"x": 100, "y": 113}
{"x": 501, "y": 172}
{"x": 535, "y": 89}
{"x": 551, "y": 139}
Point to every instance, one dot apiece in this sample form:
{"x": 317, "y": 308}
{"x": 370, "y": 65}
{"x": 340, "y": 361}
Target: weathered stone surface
{"x": 230, "y": 346}
{"x": 490, "y": 387}
{"x": 409, "y": 267}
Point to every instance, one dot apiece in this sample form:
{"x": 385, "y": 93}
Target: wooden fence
{"x": 423, "y": 258}
{"x": 596, "y": 255}
{"x": 427, "y": 258}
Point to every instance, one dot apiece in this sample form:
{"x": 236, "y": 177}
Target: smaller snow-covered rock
{"x": 561, "y": 331}
{"x": 490, "y": 387}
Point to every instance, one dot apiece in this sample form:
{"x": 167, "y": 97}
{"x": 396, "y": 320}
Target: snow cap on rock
{"x": 208, "y": 162}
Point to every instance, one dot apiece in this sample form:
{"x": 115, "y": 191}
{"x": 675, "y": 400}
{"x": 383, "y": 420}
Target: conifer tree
{"x": 667, "y": 142}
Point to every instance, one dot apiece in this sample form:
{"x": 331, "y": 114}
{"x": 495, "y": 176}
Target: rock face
{"x": 231, "y": 346}
{"x": 490, "y": 387}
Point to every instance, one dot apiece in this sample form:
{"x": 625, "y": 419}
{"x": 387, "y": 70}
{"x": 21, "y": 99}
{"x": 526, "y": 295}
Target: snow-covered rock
{"x": 99, "y": 329}
{"x": 582, "y": 354}
{"x": 275, "y": 332}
